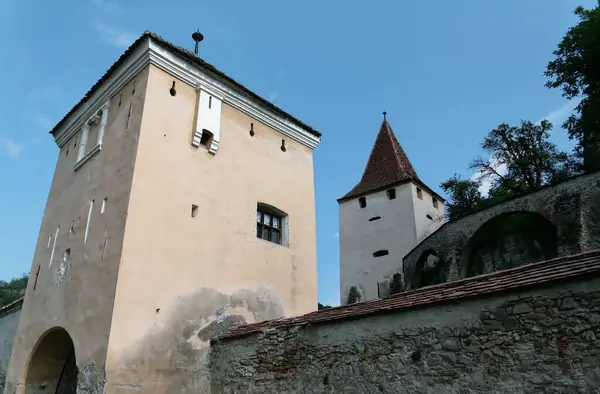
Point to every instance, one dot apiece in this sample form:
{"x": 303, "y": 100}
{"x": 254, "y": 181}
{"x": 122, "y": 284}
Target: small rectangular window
{"x": 419, "y": 193}
{"x": 362, "y": 202}
{"x": 435, "y": 202}
{"x": 103, "y": 209}
{"x": 391, "y": 194}
{"x": 268, "y": 226}
{"x": 194, "y": 211}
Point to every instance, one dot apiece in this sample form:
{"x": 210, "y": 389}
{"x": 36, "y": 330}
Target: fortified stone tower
{"x": 382, "y": 218}
{"x": 182, "y": 204}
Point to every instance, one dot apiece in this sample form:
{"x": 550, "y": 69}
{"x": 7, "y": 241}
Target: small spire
{"x": 384, "y": 115}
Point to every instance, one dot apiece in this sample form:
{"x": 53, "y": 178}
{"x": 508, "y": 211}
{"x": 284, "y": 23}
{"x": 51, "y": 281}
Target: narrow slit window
{"x": 430, "y": 217}
{"x": 89, "y": 222}
{"x": 209, "y": 102}
{"x": 380, "y": 253}
{"x": 419, "y": 193}
{"x": 103, "y": 209}
{"x": 362, "y": 202}
{"x": 391, "y": 194}
{"x": 374, "y": 218}
{"x": 435, "y": 202}
{"x": 54, "y": 246}
{"x": 194, "y": 211}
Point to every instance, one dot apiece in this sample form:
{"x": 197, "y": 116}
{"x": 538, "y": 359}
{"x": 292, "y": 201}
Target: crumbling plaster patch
{"x": 172, "y": 358}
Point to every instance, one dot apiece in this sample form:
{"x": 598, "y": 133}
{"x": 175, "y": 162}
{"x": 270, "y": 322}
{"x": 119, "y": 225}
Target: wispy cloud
{"x": 115, "y": 35}
{"x": 12, "y": 148}
{"x": 44, "y": 122}
{"x": 486, "y": 184}
{"x": 46, "y": 93}
{"x": 560, "y": 114}
{"x": 109, "y": 7}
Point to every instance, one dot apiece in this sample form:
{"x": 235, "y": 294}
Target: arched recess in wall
{"x": 52, "y": 366}
{"x": 509, "y": 240}
{"x": 429, "y": 270}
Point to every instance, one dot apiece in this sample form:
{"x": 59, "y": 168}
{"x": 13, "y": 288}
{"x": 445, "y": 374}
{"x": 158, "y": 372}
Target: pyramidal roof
{"x": 387, "y": 165}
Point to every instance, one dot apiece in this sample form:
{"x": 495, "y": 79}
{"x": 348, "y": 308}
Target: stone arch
{"x": 430, "y": 270}
{"x": 52, "y": 366}
{"x": 508, "y": 240}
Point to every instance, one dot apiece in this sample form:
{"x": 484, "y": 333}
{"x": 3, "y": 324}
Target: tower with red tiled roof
{"x": 382, "y": 218}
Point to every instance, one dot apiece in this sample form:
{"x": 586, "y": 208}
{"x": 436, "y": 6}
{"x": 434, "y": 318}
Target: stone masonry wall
{"x": 572, "y": 206}
{"x": 8, "y": 327}
{"x": 540, "y": 340}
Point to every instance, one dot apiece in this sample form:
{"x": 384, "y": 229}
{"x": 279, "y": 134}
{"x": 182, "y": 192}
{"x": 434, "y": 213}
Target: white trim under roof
{"x": 151, "y": 52}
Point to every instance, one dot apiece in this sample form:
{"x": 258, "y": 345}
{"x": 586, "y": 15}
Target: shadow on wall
{"x": 52, "y": 367}
{"x": 505, "y": 241}
{"x": 509, "y": 240}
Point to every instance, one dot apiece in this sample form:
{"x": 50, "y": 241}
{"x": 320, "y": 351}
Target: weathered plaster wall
{"x": 184, "y": 278}
{"x": 80, "y": 299}
{"x": 538, "y": 340}
{"x": 395, "y": 225}
{"x": 572, "y": 207}
{"x": 364, "y": 231}
{"x": 8, "y": 328}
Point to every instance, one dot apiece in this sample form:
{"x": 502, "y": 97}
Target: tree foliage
{"x": 12, "y": 290}
{"x": 321, "y": 306}
{"x": 521, "y": 159}
{"x": 576, "y": 70}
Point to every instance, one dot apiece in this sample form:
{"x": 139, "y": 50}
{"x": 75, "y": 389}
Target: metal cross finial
{"x": 384, "y": 115}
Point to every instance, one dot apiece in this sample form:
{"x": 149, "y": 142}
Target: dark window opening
{"x": 381, "y": 253}
{"x": 268, "y": 226}
{"x": 206, "y": 138}
{"x": 374, "y": 218}
{"x": 435, "y": 202}
{"x": 362, "y": 202}
{"x": 251, "y": 129}
{"x": 194, "y": 211}
{"x": 429, "y": 217}
{"x": 391, "y": 194}
{"x": 419, "y": 193}
{"x": 209, "y": 102}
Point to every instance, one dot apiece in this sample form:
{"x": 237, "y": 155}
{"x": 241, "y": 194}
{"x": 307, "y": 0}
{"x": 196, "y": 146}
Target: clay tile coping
{"x": 192, "y": 57}
{"x": 16, "y": 303}
{"x": 583, "y": 264}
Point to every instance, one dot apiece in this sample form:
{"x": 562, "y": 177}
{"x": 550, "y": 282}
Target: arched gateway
{"x": 52, "y": 367}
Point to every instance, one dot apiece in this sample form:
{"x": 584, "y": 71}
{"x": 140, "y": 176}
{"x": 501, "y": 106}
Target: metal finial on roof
{"x": 384, "y": 115}
{"x": 197, "y": 36}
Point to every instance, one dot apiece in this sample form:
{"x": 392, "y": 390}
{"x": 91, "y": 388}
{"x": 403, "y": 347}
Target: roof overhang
{"x": 416, "y": 181}
{"x": 189, "y": 68}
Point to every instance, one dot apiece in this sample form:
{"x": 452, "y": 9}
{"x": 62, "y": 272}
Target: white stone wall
{"x": 395, "y": 232}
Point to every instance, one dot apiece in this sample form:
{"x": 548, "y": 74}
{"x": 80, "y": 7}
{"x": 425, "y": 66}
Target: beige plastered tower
{"x": 182, "y": 204}
{"x": 382, "y": 218}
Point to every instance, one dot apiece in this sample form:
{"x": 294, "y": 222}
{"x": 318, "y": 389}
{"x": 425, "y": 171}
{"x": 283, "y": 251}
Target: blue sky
{"x": 445, "y": 71}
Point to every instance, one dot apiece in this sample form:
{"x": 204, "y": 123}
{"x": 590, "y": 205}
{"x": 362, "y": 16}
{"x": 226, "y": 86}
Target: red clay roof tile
{"x": 584, "y": 264}
{"x": 388, "y": 165}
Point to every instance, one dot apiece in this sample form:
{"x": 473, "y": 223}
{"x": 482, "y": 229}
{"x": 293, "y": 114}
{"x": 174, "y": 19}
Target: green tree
{"x": 576, "y": 70}
{"x": 521, "y": 159}
{"x": 321, "y": 306}
{"x": 463, "y": 196}
{"x": 529, "y": 158}
{"x": 12, "y": 290}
